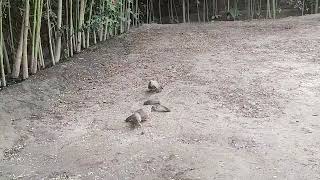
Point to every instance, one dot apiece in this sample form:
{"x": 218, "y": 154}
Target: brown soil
{"x": 244, "y": 100}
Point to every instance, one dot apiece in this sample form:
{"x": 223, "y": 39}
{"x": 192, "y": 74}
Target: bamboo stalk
{"x": 268, "y": 9}
{"x": 274, "y": 8}
{"x": 204, "y": 11}
{"x": 6, "y": 57}
{"x": 71, "y": 29}
{"x": 50, "y": 33}
{"x": 3, "y": 76}
{"x": 18, "y": 57}
{"x": 184, "y": 11}
{"x": 94, "y": 37}
{"x": 59, "y": 24}
{"x": 10, "y": 27}
{"x": 101, "y": 14}
{"x": 188, "y": 8}
{"x": 207, "y": 8}
{"x": 67, "y": 31}
{"x": 105, "y": 35}
{"x": 36, "y": 37}
{"x": 159, "y": 7}
{"x": 128, "y": 15}
{"x": 88, "y": 30}
{"x": 198, "y": 2}
{"x": 137, "y": 12}
{"x": 41, "y": 59}
{"x": 80, "y": 25}
{"x": 25, "y": 71}
{"x": 175, "y": 9}
{"x": 34, "y": 27}
{"x": 213, "y": 8}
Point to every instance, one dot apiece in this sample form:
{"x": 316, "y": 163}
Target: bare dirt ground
{"x": 245, "y": 101}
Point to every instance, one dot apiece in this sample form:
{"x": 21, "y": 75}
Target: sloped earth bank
{"x": 245, "y": 101}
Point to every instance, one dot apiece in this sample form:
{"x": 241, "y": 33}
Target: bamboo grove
{"x": 175, "y": 11}
{"x": 35, "y": 34}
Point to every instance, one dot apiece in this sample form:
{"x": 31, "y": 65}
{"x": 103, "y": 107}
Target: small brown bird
{"x": 134, "y": 119}
{"x": 154, "y": 86}
{"x": 143, "y": 114}
{"x": 138, "y": 117}
{"x": 151, "y": 102}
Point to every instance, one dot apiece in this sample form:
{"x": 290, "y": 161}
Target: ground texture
{"x": 245, "y": 101}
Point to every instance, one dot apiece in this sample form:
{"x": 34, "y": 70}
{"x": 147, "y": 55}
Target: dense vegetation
{"x": 35, "y": 34}
{"x": 174, "y": 11}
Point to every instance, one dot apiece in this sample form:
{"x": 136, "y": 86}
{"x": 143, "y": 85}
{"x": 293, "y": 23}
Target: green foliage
{"x": 110, "y": 15}
{"x": 52, "y": 21}
{"x": 234, "y": 12}
{"x": 302, "y": 4}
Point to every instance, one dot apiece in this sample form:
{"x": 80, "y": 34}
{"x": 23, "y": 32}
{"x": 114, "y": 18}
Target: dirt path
{"x": 245, "y": 101}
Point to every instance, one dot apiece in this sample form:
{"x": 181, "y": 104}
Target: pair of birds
{"x": 141, "y": 115}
